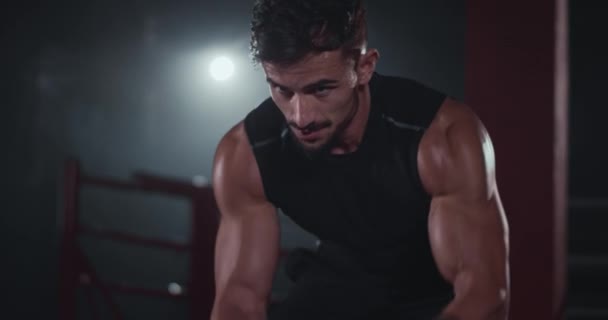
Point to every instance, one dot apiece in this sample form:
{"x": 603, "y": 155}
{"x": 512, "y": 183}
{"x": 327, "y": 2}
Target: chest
{"x": 367, "y": 201}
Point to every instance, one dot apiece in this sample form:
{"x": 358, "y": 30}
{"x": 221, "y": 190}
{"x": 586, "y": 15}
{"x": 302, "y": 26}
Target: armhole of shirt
{"x": 413, "y": 167}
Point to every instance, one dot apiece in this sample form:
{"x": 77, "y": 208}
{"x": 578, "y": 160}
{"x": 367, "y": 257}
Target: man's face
{"x": 317, "y": 96}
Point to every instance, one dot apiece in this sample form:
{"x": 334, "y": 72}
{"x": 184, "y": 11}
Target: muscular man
{"x": 396, "y": 179}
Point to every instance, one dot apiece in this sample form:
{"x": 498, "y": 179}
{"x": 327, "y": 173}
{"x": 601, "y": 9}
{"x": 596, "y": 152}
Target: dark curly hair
{"x": 284, "y": 31}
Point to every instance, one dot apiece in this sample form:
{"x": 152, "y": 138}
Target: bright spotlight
{"x": 221, "y": 68}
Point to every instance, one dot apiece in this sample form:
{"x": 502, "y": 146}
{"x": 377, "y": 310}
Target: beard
{"x": 321, "y": 151}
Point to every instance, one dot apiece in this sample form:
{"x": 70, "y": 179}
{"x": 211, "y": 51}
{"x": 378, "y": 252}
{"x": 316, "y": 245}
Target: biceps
{"x": 469, "y": 238}
{"x": 247, "y": 250}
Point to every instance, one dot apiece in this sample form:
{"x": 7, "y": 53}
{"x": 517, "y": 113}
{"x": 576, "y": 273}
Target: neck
{"x": 352, "y": 135}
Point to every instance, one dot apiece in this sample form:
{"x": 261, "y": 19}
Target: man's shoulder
{"x": 236, "y": 178}
{"x": 406, "y": 102}
{"x": 454, "y": 112}
{"x": 232, "y": 143}
{"x": 234, "y": 159}
{"x": 456, "y": 152}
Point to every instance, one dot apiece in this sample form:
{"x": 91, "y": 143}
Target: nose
{"x": 302, "y": 116}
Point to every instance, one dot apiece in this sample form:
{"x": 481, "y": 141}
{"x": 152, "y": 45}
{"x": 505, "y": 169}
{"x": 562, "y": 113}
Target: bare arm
{"x": 467, "y": 225}
{"x": 248, "y": 237}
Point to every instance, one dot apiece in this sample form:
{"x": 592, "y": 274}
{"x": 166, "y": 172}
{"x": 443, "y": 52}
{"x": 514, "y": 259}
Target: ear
{"x": 367, "y": 66}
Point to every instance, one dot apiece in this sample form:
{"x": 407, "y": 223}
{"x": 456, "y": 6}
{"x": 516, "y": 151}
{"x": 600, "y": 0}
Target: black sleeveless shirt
{"x": 370, "y": 201}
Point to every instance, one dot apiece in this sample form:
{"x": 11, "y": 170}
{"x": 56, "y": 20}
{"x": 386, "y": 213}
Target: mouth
{"x": 309, "y": 136}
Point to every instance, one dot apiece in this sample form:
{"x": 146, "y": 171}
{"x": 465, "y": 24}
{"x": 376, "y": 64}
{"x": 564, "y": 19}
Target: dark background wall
{"x": 588, "y": 203}
{"x": 123, "y": 86}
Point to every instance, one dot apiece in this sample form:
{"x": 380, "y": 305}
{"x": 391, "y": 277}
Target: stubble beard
{"x": 323, "y": 150}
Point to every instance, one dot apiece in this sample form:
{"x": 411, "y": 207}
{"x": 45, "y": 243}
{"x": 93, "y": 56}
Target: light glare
{"x": 221, "y": 68}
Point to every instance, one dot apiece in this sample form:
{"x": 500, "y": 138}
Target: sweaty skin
{"x": 467, "y": 225}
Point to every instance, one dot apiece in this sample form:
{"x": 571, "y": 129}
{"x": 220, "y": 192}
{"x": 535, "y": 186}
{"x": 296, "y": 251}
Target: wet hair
{"x": 285, "y": 31}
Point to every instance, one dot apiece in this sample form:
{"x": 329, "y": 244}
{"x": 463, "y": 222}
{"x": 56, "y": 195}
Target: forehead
{"x": 324, "y": 65}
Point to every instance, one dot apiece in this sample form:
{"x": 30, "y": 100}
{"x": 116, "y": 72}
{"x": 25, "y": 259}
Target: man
{"x": 396, "y": 179}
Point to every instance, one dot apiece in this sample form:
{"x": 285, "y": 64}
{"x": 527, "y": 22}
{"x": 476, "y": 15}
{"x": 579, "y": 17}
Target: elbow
{"x": 497, "y": 309}
{"x": 481, "y": 297}
{"x": 493, "y": 304}
{"x": 497, "y": 303}
{"x": 487, "y": 304}
{"x": 503, "y": 305}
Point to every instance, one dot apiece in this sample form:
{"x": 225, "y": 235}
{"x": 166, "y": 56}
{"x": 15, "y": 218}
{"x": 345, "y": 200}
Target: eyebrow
{"x": 320, "y": 83}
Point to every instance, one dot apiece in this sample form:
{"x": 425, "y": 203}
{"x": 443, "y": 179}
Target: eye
{"x": 283, "y": 91}
{"x": 322, "y": 90}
